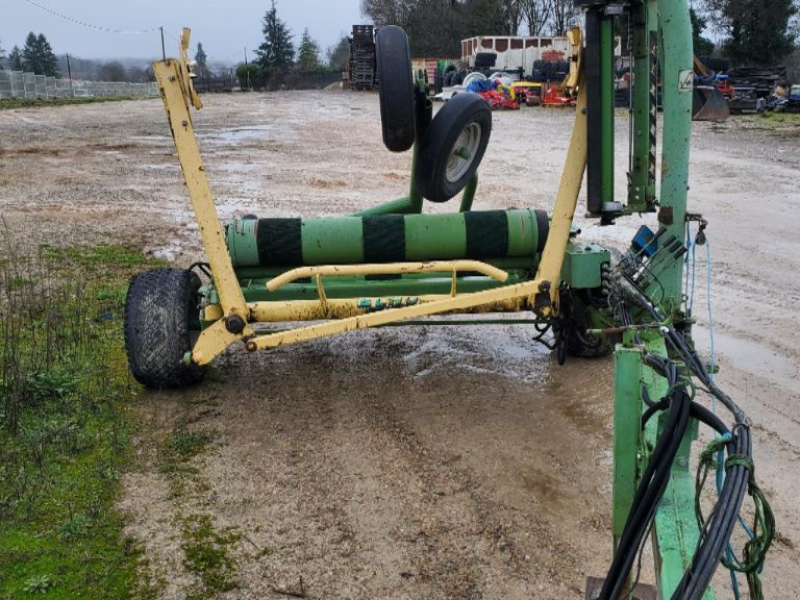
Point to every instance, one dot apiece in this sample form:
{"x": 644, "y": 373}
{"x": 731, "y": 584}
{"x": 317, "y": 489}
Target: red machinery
{"x": 501, "y": 96}
{"x": 555, "y": 95}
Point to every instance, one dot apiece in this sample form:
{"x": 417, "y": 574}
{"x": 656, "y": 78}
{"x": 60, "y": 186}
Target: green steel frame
{"x": 662, "y": 27}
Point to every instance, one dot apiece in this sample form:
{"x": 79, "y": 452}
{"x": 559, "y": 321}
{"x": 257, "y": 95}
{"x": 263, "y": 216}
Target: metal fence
{"x": 16, "y": 84}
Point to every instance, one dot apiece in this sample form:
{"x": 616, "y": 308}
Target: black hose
{"x": 719, "y": 525}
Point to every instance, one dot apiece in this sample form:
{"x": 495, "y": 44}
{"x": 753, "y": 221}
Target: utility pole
{"x": 163, "y": 48}
{"x": 247, "y": 69}
{"x": 69, "y": 73}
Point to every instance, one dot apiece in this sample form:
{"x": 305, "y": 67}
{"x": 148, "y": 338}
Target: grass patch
{"x": 187, "y": 444}
{"x": 48, "y": 102}
{"x": 208, "y": 551}
{"x": 773, "y": 123}
{"x": 207, "y": 554}
{"x": 65, "y": 425}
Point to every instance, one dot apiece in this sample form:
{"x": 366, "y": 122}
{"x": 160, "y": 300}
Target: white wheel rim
{"x": 463, "y": 153}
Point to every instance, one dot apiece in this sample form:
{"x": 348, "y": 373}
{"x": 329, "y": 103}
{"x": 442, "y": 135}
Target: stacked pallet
{"x": 362, "y": 57}
{"x": 761, "y": 79}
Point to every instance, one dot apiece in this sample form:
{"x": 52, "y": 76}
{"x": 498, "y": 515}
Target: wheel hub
{"x": 463, "y": 152}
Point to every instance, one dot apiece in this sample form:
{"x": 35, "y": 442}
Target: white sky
{"x": 224, "y": 28}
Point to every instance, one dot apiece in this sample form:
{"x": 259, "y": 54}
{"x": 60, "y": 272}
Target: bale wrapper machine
{"x": 394, "y": 264}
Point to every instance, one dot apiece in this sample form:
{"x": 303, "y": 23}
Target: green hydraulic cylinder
{"x": 607, "y": 111}
{"x": 599, "y": 65}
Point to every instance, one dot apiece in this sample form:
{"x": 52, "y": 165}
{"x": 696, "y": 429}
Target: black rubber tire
{"x": 396, "y": 88}
{"x": 161, "y": 322}
{"x": 437, "y": 146}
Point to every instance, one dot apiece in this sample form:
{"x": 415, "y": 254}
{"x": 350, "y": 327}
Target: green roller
{"x": 480, "y": 235}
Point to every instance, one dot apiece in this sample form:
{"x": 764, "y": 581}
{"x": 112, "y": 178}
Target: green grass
{"x": 774, "y": 123}
{"x": 65, "y": 425}
{"x": 187, "y": 444}
{"x": 47, "y": 103}
{"x": 207, "y": 554}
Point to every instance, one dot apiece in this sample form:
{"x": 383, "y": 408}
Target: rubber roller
{"x": 478, "y": 235}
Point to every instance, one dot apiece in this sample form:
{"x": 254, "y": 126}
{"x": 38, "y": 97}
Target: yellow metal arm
{"x": 451, "y": 266}
{"x": 175, "y": 81}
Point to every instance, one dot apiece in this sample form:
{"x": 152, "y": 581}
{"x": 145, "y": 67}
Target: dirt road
{"x": 420, "y": 463}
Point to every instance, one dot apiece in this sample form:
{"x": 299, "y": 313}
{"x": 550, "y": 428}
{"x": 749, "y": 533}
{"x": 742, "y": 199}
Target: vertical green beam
{"x": 677, "y": 76}
{"x": 627, "y": 433}
{"x": 642, "y": 186}
{"x": 414, "y": 193}
{"x": 607, "y": 110}
{"x": 468, "y": 196}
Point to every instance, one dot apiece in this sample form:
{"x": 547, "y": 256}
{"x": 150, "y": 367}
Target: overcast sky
{"x": 224, "y": 27}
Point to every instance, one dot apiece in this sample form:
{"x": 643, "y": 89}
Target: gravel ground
{"x": 408, "y": 463}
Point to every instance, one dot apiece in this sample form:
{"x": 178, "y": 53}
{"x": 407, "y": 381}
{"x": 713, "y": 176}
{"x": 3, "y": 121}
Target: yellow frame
{"x": 175, "y": 81}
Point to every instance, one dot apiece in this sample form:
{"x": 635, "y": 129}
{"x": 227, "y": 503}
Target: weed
{"x": 64, "y": 425}
{"x": 187, "y": 444}
{"x": 40, "y": 584}
{"x": 74, "y": 527}
{"x": 207, "y": 555}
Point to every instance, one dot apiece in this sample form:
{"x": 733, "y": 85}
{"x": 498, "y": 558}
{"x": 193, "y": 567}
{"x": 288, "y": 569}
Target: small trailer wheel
{"x": 162, "y": 323}
{"x": 395, "y": 88}
{"x": 453, "y": 147}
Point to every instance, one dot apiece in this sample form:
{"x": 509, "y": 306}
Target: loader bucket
{"x": 708, "y": 104}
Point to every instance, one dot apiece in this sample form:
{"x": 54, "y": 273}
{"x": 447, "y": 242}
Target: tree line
{"x": 37, "y": 56}
{"x": 754, "y": 32}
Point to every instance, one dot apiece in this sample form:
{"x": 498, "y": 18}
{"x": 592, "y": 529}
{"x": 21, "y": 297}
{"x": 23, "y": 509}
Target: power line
{"x": 90, "y": 25}
{"x": 168, "y": 34}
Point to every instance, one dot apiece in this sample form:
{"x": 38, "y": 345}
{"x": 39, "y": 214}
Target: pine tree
{"x": 702, "y": 45}
{"x": 759, "y": 31}
{"x": 200, "y": 57}
{"x": 15, "y": 59}
{"x": 339, "y": 55}
{"x": 38, "y": 57}
{"x": 47, "y": 59}
{"x": 30, "y": 55}
{"x": 277, "y": 51}
{"x": 308, "y": 54}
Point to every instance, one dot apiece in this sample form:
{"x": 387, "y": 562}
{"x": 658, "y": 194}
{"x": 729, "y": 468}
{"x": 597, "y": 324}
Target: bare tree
{"x": 512, "y": 13}
{"x": 536, "y": 14}
{"x": 565, "y": 15}
{"x": 389, "y": 12}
